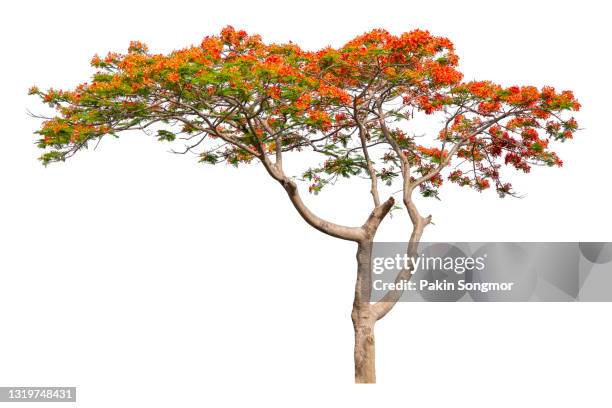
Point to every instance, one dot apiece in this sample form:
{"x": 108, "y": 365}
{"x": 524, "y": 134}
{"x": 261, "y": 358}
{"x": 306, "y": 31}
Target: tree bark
{"x": 363, "y": 319}
{"x": 365, "y": 359}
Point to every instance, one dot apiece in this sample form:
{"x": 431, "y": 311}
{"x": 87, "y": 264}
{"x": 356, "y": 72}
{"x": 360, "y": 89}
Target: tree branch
{"x": 366, "y": 155}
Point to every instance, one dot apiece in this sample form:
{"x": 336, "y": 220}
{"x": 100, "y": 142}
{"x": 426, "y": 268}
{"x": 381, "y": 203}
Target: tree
{"x": 236, "y": 99}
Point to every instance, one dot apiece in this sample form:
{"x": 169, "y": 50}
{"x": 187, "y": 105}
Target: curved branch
{"x": 356, "y": 234}
{"x": 384, "y": 306}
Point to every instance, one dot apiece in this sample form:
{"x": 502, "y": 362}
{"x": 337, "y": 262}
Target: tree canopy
{"x": 233, "y": 98}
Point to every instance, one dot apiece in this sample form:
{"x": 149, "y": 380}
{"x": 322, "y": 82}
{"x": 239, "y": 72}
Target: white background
{"x": 146, "y": 279}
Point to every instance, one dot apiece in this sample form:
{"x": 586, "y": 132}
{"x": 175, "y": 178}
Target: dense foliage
{"x": 236, "y": 99}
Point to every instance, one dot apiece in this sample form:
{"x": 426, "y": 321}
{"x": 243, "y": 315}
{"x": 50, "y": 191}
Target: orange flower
{"x": 173, "y": 77}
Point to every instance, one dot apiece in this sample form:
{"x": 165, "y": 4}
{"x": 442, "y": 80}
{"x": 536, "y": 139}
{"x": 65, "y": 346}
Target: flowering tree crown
{"x": 234, "y": 98}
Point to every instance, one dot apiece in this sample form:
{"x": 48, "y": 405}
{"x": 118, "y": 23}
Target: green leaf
{"x": 165, "y": 135}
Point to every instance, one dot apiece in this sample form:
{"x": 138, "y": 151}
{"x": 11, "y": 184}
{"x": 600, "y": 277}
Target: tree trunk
{"x": 365, "y": 314}
{"x": 363, "y": 319}
{"x": 365, "y": 359}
